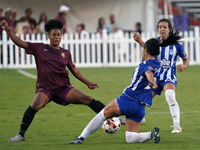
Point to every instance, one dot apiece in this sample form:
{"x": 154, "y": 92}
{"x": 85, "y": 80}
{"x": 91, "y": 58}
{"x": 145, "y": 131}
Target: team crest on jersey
{"x": 63, "y": 55}
{"x": 171, "y": 52}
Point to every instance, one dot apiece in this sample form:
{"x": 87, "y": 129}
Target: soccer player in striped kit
{"x": 167, "y": 80}
{"x": 135, "y": 97}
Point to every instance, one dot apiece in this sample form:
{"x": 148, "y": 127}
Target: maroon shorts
{"x": 57, "y": 95}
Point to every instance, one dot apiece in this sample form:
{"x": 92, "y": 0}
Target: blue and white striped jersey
{"x": 168, "y": 57}
{"x": 139, "y": 88}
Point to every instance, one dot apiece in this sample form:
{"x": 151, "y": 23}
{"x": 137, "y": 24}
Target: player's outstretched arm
{"x": 150, "y": 78}
{"x": 138, "y": 39}
{"x": 79, "y": 75}
{"x": 13, "y": 37}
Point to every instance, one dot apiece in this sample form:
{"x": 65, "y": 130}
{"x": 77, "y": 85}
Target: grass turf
{"x": 54, "y": 126}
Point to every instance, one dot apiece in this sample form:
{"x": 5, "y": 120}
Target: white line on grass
{"x": 63, "y": 115}
{"x": 27, "y": 74}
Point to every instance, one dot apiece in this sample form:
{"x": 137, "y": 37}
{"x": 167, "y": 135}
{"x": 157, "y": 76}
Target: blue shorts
{"x": 161, "y": 84}
{"x": 131, "y": 108}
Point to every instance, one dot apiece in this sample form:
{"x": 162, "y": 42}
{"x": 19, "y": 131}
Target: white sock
{"x": 93, "y": 125}
{"x": 134, "y": 137}
{"x": 173, "y": 106}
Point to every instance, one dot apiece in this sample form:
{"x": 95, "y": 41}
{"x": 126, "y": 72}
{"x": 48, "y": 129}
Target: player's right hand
{"x": 4, "y": 24}
{"x": 92, "y": 85}
{"x": 137, "y": 37}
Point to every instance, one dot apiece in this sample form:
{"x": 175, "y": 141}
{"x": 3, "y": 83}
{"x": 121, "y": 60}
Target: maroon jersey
{"x": 51, "y": 65}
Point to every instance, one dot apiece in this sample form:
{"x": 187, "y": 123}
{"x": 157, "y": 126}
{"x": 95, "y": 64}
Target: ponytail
{"x": 172, "y": 39}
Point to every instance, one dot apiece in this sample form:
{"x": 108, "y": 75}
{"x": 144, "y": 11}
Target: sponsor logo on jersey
{"x": 165, "y": 63}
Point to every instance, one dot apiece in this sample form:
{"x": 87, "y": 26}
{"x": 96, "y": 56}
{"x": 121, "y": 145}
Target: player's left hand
{"x": 153, "y": 86}
{"x": 180, "y": 68}
{"x": 92, "y": 85}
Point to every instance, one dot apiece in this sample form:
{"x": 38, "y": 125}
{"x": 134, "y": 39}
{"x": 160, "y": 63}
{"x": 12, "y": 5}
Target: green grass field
{"x": 55, "y": 126}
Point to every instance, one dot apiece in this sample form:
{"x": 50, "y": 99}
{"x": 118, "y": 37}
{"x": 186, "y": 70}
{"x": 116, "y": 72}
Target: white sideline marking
{"x": 27, "y": 74}
{"x": 185, "y": 112}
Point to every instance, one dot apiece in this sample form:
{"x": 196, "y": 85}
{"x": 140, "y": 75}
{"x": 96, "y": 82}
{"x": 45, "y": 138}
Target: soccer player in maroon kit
{"x": 53, "y": 82}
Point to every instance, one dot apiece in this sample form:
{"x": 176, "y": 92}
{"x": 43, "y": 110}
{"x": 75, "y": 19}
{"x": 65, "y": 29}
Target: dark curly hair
{"x": 152, "y": 45}
{"x": 53, "y": 24}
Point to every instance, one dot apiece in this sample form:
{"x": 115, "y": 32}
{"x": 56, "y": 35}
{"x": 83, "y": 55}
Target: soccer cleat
{"x": 177, "y": 130}
{"x": 155, "y": 135}
{"x": 18, "y": 137}
{"x": 122, "y": 120}
{"x": 77, "y": 141}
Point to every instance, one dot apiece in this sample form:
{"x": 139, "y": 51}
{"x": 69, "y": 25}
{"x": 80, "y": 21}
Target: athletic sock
{"x": 96, "y": 106}
{"x": 93, "y": 125}
{"x": 134, "y": 137}
{"x": 173, "y": 106}
{"x": 27, "y": 119}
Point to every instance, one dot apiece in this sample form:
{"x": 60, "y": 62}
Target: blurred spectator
{"x": 99, "y": 30}
{"x": 31, "y": 21}
{"x": 20, "y": 25}
{"x": 1, "y": 18}
{"x": 181, "y": 21}
{"x": 101, "y": 22}
{"x": 13, "y": 16}
{"x": 1, "y": 47}
{"x": 80, "y": 29}
{"x": 119, "y": 34}
{"x": 8, "y": 12}
{"x": 101, "y": 25}
{"x": 138, "y": 28}
{"x": 40, "y": 26}
{"x": 13, "y": 20}
{"x": 26, "y": 30}
{"x": 61, "y": 16}
{"x": 109, "y": 26}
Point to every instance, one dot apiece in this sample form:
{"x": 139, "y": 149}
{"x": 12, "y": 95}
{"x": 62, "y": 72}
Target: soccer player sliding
{"x": 135, "y": 97}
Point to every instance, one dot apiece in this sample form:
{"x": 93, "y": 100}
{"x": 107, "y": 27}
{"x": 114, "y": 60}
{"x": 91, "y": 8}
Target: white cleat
{"x": 177, "y": 130}
{"x": 18, "y": 137}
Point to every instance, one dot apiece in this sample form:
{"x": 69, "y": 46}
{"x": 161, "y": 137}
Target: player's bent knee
{"x": 86, "y": 100}
{"x": 170, "y": 96}
{"x": 37, "y": 106}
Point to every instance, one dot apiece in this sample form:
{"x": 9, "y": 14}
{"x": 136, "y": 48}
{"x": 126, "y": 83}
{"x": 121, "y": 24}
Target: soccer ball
{"x": 111, "y": 126}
